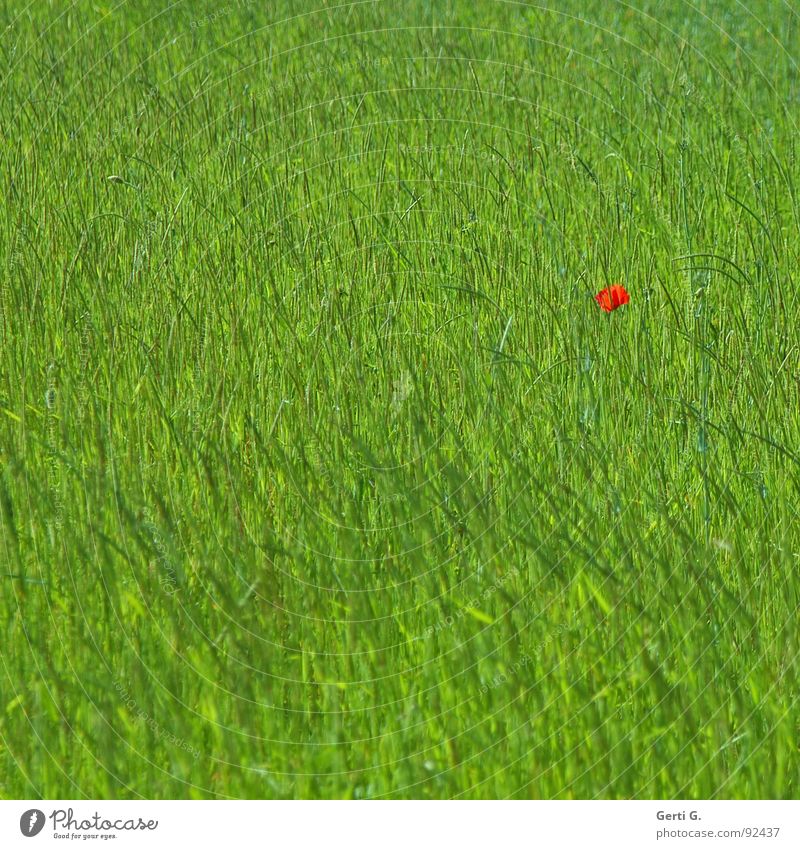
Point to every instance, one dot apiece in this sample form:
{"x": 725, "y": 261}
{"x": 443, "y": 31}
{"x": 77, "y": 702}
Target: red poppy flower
{"x": 613, "y": 297}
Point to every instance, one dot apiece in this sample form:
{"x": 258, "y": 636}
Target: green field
{"x": 322, "y": 474}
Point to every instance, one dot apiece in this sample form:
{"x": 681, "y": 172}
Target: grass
{"x": 321, "y": 472}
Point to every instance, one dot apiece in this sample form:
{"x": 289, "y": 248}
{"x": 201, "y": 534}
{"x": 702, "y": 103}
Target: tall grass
{"x": 322, "y": 473}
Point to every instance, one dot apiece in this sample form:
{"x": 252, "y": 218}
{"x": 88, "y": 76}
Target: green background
{"x": 321, "y": 472}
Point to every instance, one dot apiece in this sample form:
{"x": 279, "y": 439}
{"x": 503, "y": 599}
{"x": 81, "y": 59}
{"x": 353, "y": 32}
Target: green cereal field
{"x": 399, "y": 399}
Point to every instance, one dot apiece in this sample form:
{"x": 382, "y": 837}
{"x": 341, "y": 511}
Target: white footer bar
{"x": 402, "y": 825}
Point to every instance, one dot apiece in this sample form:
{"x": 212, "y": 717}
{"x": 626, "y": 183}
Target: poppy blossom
{"x": 612, "y": 297}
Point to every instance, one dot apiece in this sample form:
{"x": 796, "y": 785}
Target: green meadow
{"x": 322, "y": 473}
